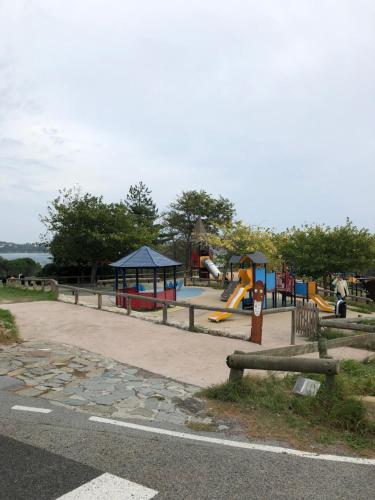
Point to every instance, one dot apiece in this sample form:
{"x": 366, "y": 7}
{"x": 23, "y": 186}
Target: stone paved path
{"x": 89, "y": 382}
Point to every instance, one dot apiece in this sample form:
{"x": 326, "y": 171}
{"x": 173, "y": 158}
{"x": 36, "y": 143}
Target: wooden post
{"x": 323, "y": 348}
{"x": 235, "y": 374}
{"x": 191, "y": 318}
{"x": 76, "y": 296}
{"x": 293, "y": 329}
{"x": 129, "y": 306}
{"x": 330, "y": 382}
{"x": 99, "y": 300}
{"x": 165, "y": 314}
{"x": 257, "y": 317}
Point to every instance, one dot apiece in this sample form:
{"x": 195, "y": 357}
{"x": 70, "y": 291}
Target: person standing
{"x": 341, "y": 287}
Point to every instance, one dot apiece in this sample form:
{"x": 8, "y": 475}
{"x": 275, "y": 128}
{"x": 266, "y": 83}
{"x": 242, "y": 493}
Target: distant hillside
{"x": 7, "y": 247}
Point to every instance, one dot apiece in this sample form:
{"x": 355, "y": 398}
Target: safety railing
{"x": 188, "y": 305}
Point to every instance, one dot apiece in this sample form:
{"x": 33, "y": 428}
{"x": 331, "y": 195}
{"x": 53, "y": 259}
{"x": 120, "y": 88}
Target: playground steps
{"x": 228, "y": 291}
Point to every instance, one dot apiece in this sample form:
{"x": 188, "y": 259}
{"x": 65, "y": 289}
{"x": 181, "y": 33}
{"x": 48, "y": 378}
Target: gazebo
{"x": 146, "y": 263}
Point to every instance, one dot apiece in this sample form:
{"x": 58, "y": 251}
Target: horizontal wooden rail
{"x": 354, "y": 297}
{"x": 284, "y": 364}
{"x": 346, "y": 325}
{"x": 239, "y": 362}
{"x": 179, "y": 303}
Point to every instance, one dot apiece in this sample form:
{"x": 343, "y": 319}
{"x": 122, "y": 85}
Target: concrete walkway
{"x": 192, "y": 358}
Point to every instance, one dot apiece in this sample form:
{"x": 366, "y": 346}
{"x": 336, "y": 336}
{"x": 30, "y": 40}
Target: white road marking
{"x": 236, "y": 444}
{"x": 111, "y": 487}
{"x": 31, "y": 408}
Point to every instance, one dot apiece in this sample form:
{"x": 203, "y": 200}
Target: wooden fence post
{"x": 165, "y": 314}
{"x": 129, "y": 306}
{"x": 99, "y": 300}
{"x": 293, "y": 329}
{"x": 191, "y": 318}
{"x": 76, "y": 296}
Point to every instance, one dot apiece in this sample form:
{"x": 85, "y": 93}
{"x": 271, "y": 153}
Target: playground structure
{"x": 149, "y": 265}
{"x": 201, "y": 254}
{"x": 252, "y": 268}
{"x": 246, "y": 283}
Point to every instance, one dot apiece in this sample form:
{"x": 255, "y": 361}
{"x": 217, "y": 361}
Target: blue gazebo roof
{"x": 145, "y": 257}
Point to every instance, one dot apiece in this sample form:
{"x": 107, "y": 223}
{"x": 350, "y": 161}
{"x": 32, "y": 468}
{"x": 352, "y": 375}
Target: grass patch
{"x": 8, "y": 327}
{"x": 330, "y": 334}
{"x": 15, "y": 294}
{"x": 268, "y": 405}
{"x": 362, "y": 308}
{"x": 366, "y": 321}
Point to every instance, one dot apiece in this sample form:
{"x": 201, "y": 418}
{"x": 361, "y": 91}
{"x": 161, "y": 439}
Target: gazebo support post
{"x": 116, "y": 285}
{"x": 155, "y": 285}
{"x": 174, "y": 282}
{"x": 116, "y": 279}
{"x": 165, "y": 279}
{"x": 123, "y": 270}
{"x": 137, "y": 278}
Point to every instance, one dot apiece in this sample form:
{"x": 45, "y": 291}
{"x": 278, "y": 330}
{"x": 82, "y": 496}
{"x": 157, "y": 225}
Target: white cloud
{"x": 268, "y": 103}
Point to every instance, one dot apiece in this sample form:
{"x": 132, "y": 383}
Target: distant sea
{"x": 42, "y": 258}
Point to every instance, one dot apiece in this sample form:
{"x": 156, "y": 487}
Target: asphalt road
{"x": 46, "y": 455}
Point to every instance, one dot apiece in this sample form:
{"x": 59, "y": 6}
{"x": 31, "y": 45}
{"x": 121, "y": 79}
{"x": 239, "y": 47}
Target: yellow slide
{"x": 322, "y": 304}
{"x": 246, "y": 283}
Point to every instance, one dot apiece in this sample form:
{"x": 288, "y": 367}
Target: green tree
{"x": 182, "y": 214}
{"x": 319, "y": 250}
{"x": 82, "y": 229}
{"x": 26, "y": 266}
{"x": 140, "y": 203}
{"x": 239, "y": 238}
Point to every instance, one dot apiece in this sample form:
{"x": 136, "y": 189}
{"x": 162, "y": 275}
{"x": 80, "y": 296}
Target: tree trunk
{"x": 94, "y": 268}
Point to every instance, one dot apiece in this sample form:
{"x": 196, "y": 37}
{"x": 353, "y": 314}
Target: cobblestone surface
{"x": 88, "y": 382}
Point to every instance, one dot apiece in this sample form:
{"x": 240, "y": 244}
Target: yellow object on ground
{"x": 322, "y": 304}
{"x": 246, "y": 284}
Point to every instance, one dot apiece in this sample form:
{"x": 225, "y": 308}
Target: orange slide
{"x": 246, "y": 284}
{"x": 322, "y": 304}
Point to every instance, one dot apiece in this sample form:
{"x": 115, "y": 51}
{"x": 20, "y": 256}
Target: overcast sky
{"x": 270, "y": 103}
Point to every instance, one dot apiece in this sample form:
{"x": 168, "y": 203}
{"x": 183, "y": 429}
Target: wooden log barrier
{"x": 239, "y": 362}
{"x": 359, "y": 327}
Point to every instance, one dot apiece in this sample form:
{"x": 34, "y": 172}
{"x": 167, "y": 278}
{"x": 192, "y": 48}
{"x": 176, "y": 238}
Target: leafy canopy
{"x": 316, "y": 250}
{"x": 84, "y": 230}
{"x": 14, "y": 267}
{"x": 239, "y": 238}
{"x": 183, "y": 213}
{"x": 140, "y": 203}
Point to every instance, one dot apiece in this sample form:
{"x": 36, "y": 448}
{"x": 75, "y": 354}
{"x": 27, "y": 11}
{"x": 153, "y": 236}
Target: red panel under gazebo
{"x": 144, "y": 305}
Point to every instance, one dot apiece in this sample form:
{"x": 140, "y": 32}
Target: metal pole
{"x": 76, "y": 296}
{"x": 99, "y": 300}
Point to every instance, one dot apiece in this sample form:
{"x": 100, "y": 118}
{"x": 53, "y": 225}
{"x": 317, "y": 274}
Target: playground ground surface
{"x": 276, "y": 327}
{"x": 193, "y": 358}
